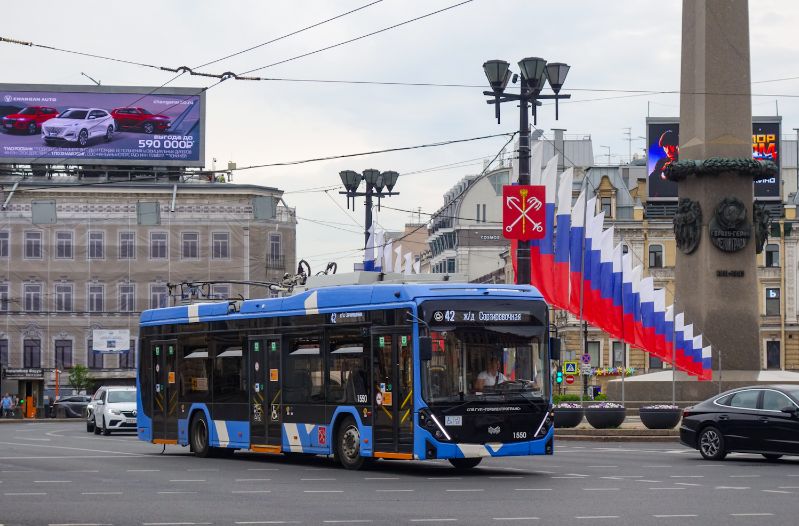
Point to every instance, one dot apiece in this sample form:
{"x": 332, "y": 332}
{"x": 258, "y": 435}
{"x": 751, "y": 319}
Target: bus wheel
{"x": 199, "y": 436}
{"x": 465, "y": 463}
{"x": 348, "y": 444}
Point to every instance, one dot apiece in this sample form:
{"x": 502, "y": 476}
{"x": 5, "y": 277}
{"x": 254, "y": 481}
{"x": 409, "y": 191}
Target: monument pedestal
{"x": 657, "y": 387}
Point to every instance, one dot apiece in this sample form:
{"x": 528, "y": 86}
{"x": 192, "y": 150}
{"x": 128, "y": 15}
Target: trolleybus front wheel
{"x": 199, "y": 436}
{"x": 348, "y": 445}
{"x": 465, "y": 463}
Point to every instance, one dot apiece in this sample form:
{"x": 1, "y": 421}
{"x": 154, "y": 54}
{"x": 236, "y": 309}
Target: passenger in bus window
{"x": 491, "y": 376}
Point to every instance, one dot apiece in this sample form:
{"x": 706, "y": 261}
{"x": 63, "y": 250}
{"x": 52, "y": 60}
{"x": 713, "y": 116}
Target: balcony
{"x": 275, "y": 261}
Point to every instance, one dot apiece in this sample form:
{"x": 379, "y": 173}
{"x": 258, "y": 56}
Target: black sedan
{"x": 761, "y": 419}
{"x": 73, "y": 406}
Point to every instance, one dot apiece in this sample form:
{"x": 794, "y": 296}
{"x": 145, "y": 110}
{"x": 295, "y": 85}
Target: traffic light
{"x": 559, "y": 377}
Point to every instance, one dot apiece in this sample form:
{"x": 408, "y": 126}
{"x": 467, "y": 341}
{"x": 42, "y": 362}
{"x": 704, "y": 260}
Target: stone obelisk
{"x": 716, "y": 284}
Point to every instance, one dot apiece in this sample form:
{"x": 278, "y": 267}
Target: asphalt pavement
{"x": 57, "y": 474}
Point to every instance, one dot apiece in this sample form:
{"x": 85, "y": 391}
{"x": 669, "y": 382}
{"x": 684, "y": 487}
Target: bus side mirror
{"x": 554, "y": 348}
{"x": 426, "y": 348}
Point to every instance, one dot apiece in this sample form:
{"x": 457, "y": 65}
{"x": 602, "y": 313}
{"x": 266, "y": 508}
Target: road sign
{"x": 586, "y": 358}
{"x": 570, "y": 379}
{"x": 569, "y": 368}
{"x": 585, "y": 369}
{"x": 523, "y": 212}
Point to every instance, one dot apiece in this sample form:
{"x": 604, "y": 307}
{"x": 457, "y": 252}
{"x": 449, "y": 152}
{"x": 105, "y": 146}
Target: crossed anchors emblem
{"x": 524, "y": 205}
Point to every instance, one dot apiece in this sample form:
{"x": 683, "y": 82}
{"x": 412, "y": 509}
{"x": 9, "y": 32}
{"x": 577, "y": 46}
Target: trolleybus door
{"x": 264, "y": 359}
{"x": 165, "y": 391}
{"x": 392, "y": 430}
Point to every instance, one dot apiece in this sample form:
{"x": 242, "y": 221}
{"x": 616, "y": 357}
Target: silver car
{"x": 78, "y": 126}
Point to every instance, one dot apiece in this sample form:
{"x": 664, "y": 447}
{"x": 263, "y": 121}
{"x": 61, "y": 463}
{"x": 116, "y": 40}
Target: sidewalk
{"x": 630, "y": 430}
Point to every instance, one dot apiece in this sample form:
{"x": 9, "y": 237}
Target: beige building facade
{"x": 77, "y": 257}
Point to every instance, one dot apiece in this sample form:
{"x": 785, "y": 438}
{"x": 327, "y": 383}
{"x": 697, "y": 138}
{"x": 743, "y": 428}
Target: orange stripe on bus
{"x": 266, "y": 449}
{"x": 395, "y": 456}
{"x": 164, "y": 441}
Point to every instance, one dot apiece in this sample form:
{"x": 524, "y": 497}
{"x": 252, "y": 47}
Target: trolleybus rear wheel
{"x": 199, "y": 437}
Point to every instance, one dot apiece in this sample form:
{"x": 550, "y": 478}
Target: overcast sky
{"x": 612, "y": 45}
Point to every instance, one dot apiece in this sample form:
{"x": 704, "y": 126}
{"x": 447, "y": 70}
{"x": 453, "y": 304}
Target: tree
{"x": 79, "y": 378}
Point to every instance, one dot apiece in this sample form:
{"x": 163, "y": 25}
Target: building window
{"x": 190, "y": 242}
{"x": 31, "y": 353}
{"x": 773, "y": 354}
{"x": 484, "y": 213}
{"x": 4, "y": 297}
{"x": 4, "y": 352}
{"x": 618, "y": 354}
{"x": 32, "y": 297}
{"x": 655, "y": 256}
{"x": 606, "y": 205}
{"x": 772, "y": 302}
{"x": 33, "y": 245}
{"x": 451, "y": 266}
{"x": 4, "y": 244}
{"x": 96, "y": 295}
{"x": 127, "y": 297}
{"x": 220, "y": 292}
{"x": 158, "y": 244}
{"x": 63, "y": 245}
{"x": 127, "y": 245}
{"x": 96, "y": 245}
{"x": 592, "y": 348}
{"x": 127, "y": 359}
{"x": 275, "y": 255}
{"x": 772, "y": 255}
{"x": 158, "y": 296}
{"x": 625, "y": 249}
{"x": 221, "y": 245}
{"x": 477, "y": 215}
{"x": 655, "y": 362}
{"x": 94, "y": 359}
{"x": 63, "y": 354}
{"x": 63, "y": 297}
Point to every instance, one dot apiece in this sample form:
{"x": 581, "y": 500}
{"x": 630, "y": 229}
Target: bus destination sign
{"x": 477, "y": 316}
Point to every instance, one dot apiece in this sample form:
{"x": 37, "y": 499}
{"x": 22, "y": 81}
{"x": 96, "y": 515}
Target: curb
{"x": 617, "y": 438}
{"x": 39, "y": 420}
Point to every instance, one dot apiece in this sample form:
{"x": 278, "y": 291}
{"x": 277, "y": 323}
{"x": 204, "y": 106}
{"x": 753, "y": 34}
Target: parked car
{"x": 74, "y": 406}
{"x": 139, "y": 119}
{"x": 29, "y": 120}
{"x": 761, "y": 419}
{"x": 78, "y": 126}
{"x": 90, "y": 410}
{"x": 114, "y": 410}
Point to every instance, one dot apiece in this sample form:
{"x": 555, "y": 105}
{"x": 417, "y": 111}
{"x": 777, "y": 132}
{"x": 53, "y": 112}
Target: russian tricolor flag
{"x": 592, "y": 270}
{"x": 707, "y": 367}
{"x": 617, "y": 287}
{"x": 560, "y": 272}
{"x": 605, "y": 292}
{"x": 648, "y": 316}
{"x": 576, "y": 240}
{"x": 542, "y": 260}
{"x": 696, "y": 355}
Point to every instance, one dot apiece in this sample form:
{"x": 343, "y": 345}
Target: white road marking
{"x": 600, "y": 489}
{"x": 172, "y": 523}
{"x": 733, "y": 487}
{"x": 744, "y": 476}
{"x": 79, "y": 524}
{"x": 101, "y": 493}
{"x": 602, "y": 466}
{"x": 516, "y": 518}
{"x": 188, "y": 480}
{"x": 203, "y": 469}
{"x": 351, "y": 521}
{"x": 466, "y": 490}
{"x": 253, "y": 480}
{"x": 394, "y": 490}
{"x": 37, "y": 439}
{"x": 17, "y": 470}
{"x": 175, "y": 492}
{"x": 318, "y": 479}
{"x": 83, "y": 471}
{"x": 777, "y": 491}
{"x": 686, "y": 484}
{"x": 141, "y": 470}
{"x": 444, "y": 478}
{"x": 657, "y": 466}
{"x": 533, "y": 489}
{"x": 621, "y": 477}
{"x": 22, "y": 494}
{"x": 50, "y": 481}
{"x": 649, "y": 481}
{"x": 323, "y": 491}
{"x": 686, "y": 476}
{"x": 789, "y": 487}
{"x": 267, "y": 522}
{"x": 566, "y": 477}
{"x": 597, "y": 517}
{"x": 433, "y": 520}
{"x": 252, "y": 491}
{"x": 507, "y": 477}
{"x": 258, "y": 469}
{"x": 752, "y": 514}
{"x": 381, "y": 478}
{"x": 664, "y": 488}
{"x": 673, "y": 516}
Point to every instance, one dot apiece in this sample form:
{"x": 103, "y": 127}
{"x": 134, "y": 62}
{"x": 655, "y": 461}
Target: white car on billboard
{"x": 78, "y": 126}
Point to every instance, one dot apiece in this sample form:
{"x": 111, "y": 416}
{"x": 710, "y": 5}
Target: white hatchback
{"x": 79, "y": 126}
{"x": 115, "y": 410}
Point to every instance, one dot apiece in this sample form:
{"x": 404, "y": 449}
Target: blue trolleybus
{"x": 393, "y": 371}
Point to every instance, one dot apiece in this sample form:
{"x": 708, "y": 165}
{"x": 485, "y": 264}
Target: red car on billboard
{"x": 139, "y": 119}
{"x": 29, "y": 120}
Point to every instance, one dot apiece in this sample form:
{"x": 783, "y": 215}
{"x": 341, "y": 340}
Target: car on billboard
{"x": 79, "y": 126}
{"x": 28, "y": 120}
{"x": 139, "y": 119}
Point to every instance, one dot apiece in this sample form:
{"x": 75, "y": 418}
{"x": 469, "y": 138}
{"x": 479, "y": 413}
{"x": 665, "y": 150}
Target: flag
{"x": 369, "y": 250}
{"x": 591, "y": 267}
{"x": 576, "y": 239}
{"x": 560, "y": 271}
{"x": 379, "y": 242}
{"x": 660, "y": 325}
{"x": 630, "y": 300}
{"x": 542, "y": 251}
{"x": 707, "y": 367}
{"x": 688, "y": 341}
{"x": 697, "y": 356}
{"x": 536, "y": 155}
{"x": 617, "y": 292}
{"x": 604, "y": 293}
{"x": 647, "y": 316}
{"x": 669, "y": 330}
{"x": 398, "y": 259}
{"x": 388, "y": 256}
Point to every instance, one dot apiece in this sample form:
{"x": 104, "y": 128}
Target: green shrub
{"x": 556, "y": 399}
{"x": 600, "y": 397}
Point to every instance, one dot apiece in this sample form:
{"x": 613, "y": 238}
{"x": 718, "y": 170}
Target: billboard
{"x": 105, "y": 125}
{"x": 111, "y": 340}
{"x": 663, "y": 149}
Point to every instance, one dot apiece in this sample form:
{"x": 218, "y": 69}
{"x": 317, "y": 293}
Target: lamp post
{"x": 535, "y": 72}
{"x": 378, "y": 184}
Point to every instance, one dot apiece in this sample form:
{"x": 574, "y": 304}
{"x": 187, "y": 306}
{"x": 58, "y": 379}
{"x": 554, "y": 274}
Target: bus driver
{"x": 491, "y": 376}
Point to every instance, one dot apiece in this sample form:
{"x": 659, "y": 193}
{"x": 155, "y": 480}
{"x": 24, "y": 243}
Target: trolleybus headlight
{"x": 431, "y": 422}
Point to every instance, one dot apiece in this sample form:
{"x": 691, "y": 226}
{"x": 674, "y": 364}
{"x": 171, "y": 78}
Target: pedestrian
{"x": 5, "y": 404}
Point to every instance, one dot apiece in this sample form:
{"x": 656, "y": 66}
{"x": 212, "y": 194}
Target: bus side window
{"x": 348, "y": 366}
{"x": 303, "y": 381}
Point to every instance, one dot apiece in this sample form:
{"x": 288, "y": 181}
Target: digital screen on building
{"x": 663, "y": 149}
{"x": 106, "y": 125}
